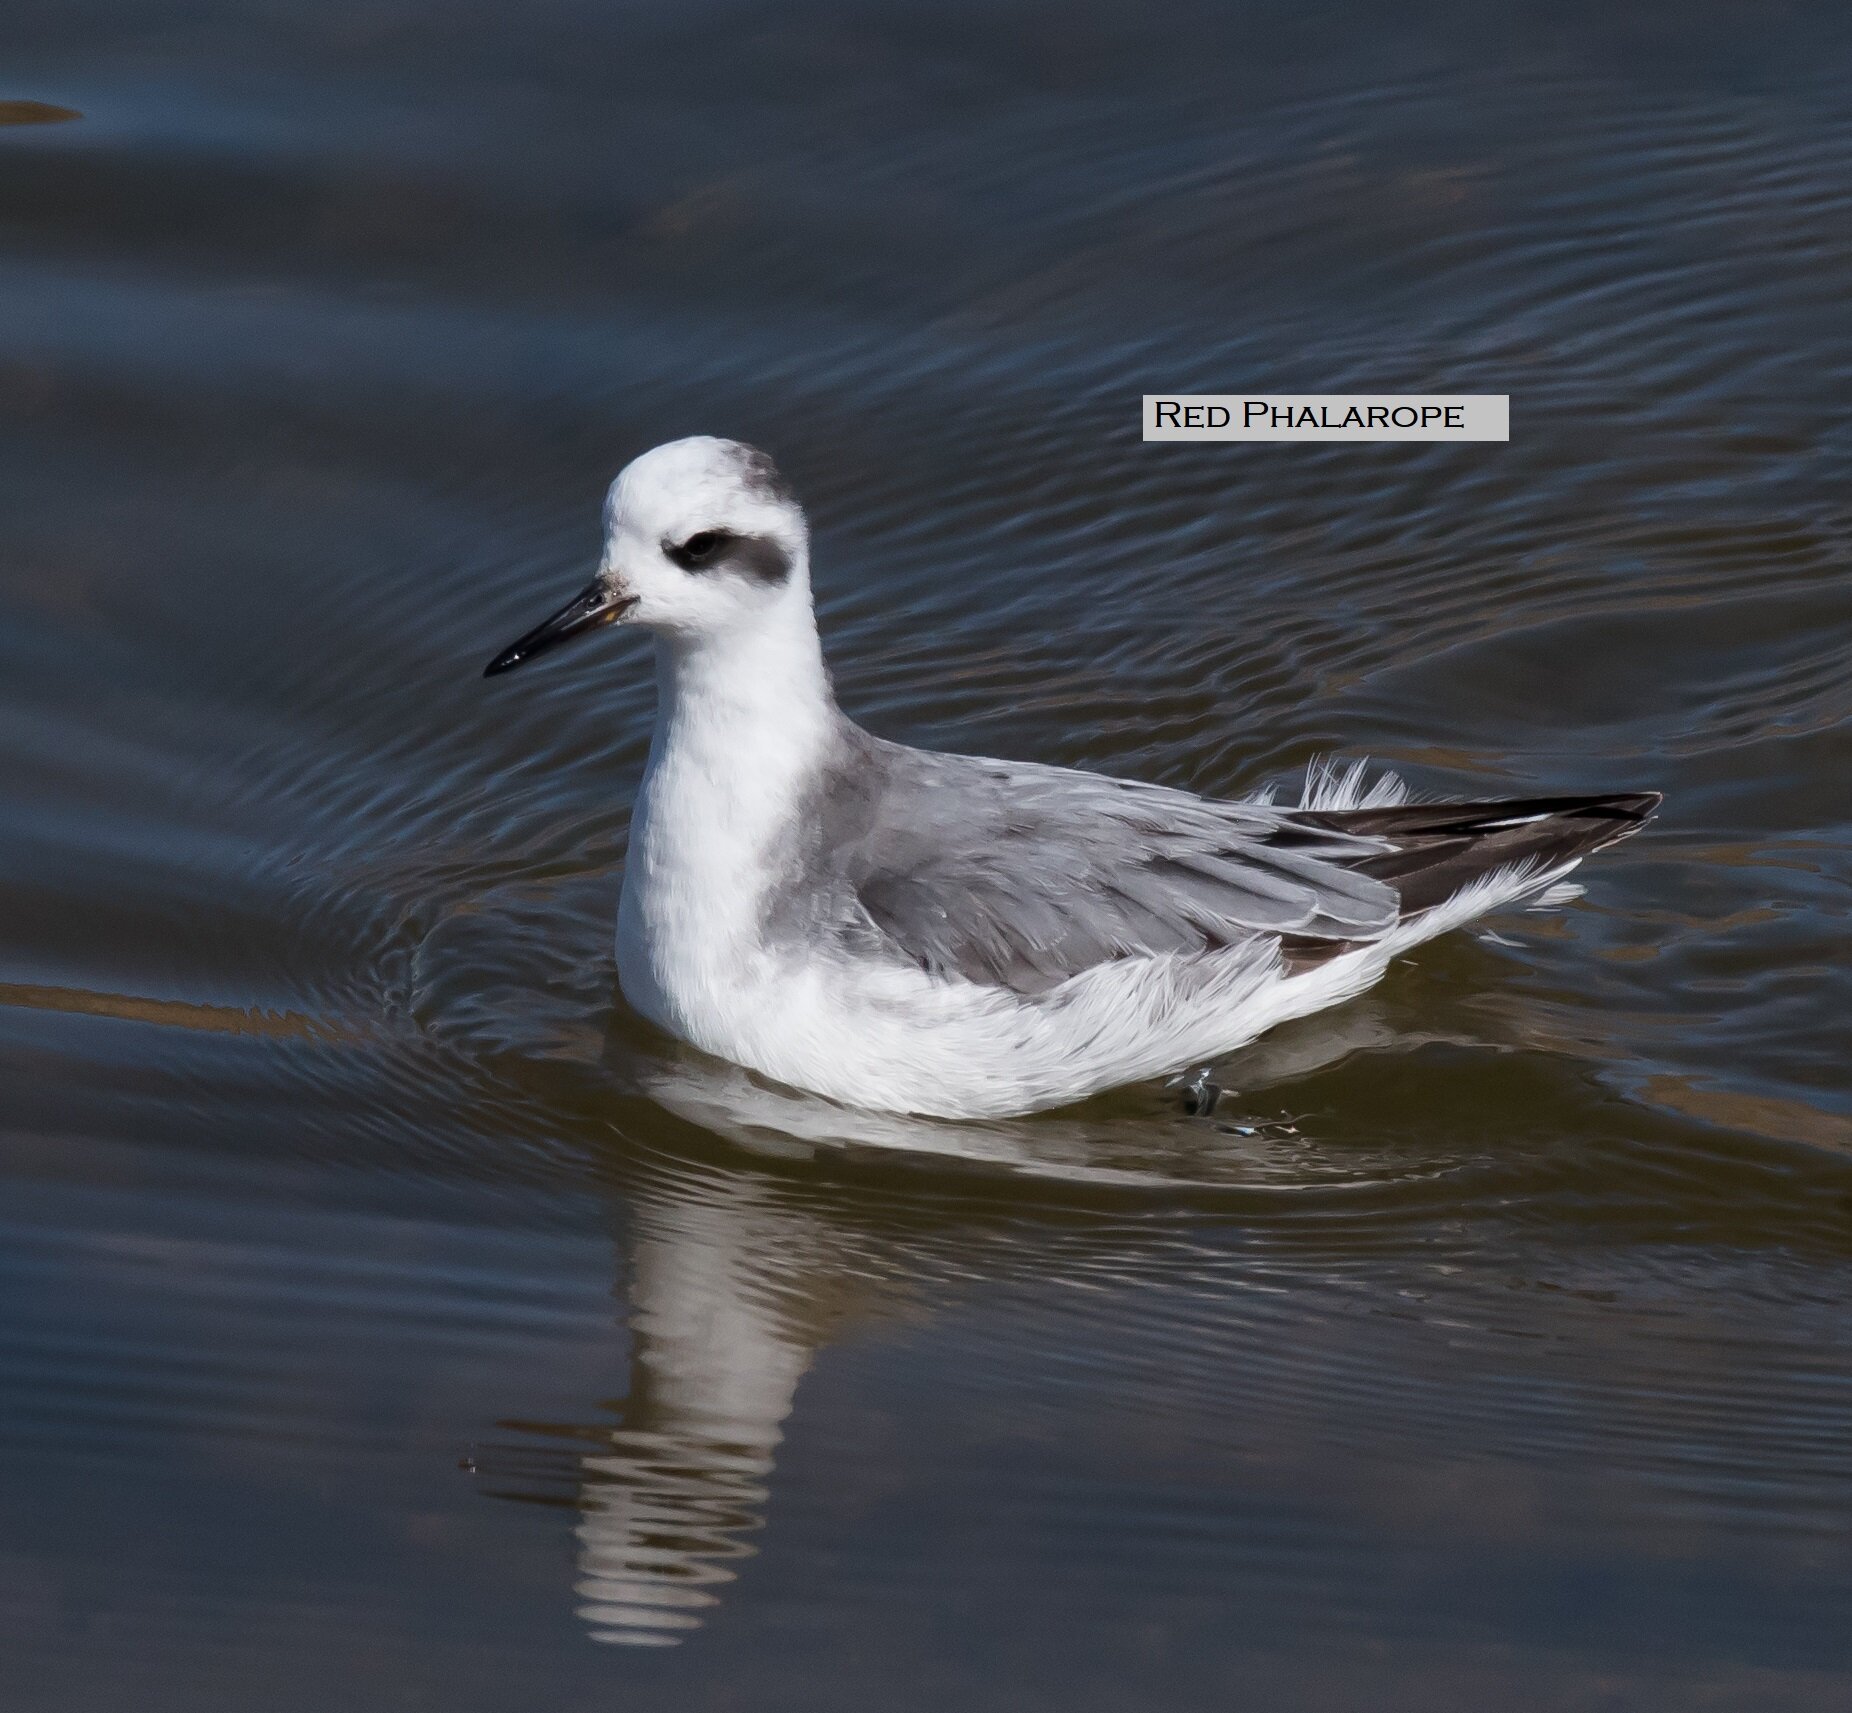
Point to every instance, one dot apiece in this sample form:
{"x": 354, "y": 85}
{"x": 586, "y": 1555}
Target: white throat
{"x": 744, "y": 719}
{"x": 766, "y": 676}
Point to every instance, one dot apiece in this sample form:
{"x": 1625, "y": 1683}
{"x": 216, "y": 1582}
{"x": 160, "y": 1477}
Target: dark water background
{"x": 387, "y": 1319}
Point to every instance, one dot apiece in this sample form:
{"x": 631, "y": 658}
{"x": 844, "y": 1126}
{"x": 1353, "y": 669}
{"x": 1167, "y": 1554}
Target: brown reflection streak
{"x": 35, "y": 113}
{"x": 1767, "y": 855}
{"x": 172, "y": 1013}
{"x": 1763, "y": 1114}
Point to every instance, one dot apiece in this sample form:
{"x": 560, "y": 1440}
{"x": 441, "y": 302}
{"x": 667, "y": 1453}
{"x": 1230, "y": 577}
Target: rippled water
{"x": 390, "y": 1317}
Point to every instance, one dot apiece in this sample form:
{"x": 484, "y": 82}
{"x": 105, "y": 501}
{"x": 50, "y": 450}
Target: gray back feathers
{"x": 1020, "y": 876}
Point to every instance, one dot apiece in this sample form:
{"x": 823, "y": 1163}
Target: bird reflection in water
{"x": 728, "y": 1288}
{"x": 737, "y": 1278}
{"x": 718, "y": 1347}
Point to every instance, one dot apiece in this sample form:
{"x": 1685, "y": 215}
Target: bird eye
{"x": 700, "y": 548}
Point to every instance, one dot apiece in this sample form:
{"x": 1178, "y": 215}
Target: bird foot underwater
{"x": 1201, "y": 1096}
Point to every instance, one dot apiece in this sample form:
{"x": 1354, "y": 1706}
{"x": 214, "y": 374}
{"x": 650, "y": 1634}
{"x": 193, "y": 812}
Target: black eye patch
{"x": 701, "y": 549}
{"x": 755, "y": 556}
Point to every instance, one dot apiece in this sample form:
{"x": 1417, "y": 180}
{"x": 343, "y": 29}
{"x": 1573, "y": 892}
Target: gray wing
{"x": 1020, "y": 876}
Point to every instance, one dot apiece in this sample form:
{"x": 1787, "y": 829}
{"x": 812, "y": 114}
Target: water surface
{"x": 391, "y": 1319}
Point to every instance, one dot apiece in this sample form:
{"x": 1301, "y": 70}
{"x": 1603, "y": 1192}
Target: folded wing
{"x": 1019, "y": 876}
{"x": 1022, "y": 877}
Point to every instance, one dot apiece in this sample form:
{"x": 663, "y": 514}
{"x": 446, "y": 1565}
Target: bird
{"x": 961, "y": 937}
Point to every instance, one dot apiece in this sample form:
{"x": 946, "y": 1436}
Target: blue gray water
{"x": 389, "y": 1319}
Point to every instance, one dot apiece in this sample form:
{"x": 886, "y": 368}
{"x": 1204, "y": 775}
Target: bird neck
{"x": 747, "y": 710}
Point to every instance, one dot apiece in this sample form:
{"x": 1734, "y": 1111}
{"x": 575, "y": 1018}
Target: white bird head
{"x": 701, "y": 537}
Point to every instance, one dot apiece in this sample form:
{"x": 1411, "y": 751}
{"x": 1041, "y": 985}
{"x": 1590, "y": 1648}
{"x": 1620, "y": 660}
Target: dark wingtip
{"x": 1627, "y": 813}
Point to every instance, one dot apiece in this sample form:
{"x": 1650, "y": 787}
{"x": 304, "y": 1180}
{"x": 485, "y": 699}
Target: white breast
{"x": 739, "y": 734}
{"x": 686, "y": 924}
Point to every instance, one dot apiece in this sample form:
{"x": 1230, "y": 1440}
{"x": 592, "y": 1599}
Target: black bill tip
{"x": 586, "y": 611}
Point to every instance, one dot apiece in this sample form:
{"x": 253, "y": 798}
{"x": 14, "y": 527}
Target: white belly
{"x": 892, "y": 1038}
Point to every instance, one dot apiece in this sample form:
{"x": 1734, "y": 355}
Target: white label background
{"x": 1250, "y": 416}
